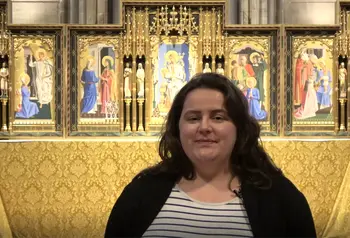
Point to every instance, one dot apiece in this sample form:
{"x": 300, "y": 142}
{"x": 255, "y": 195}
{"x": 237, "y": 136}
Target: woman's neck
{"x": 215, "y": 189}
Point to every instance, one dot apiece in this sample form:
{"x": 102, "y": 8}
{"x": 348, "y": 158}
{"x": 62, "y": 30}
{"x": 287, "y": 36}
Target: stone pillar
{"x": 63, "y": 11}
{"x": 244, "y": 12}
{"x": 255, "y": 11}
{"x": 232, "y": 12}
{"x": 263, "y": 11}
{"x": 82, "y": 11}
{"x": 91, "y": 11}
{"x": 115, "y": 11}
{"x": 73, "y": 8}
{"x": 280, "y": 11}
{"x": 272, "y": 12}
{"x": 101, "y": 15}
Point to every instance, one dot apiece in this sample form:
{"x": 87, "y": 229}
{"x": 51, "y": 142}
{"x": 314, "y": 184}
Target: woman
{"x": 214, "y": 180}
{"x": 28, "y": 108}
{"x": 89, "y": 80}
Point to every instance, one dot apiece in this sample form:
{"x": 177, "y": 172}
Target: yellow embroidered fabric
{"x": 67, "y": 188}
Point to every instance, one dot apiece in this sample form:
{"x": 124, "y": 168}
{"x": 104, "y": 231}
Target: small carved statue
{"x": 4, "y": 72}
{"x": 342, "y": 80}
{"x": 140, "y": 76}
{"x": 206, "y": 69}
{"x": 127, "y": 83}
{"x": 220, "y": 70}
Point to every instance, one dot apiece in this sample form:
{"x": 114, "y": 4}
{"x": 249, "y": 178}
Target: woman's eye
{"x": 218, "y": 118}
{"x": 192, "y": 118}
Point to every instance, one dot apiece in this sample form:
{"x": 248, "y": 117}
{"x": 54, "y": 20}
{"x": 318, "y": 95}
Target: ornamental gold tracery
{"x": 168, "y": 19}
{"x": 198, "y": 34}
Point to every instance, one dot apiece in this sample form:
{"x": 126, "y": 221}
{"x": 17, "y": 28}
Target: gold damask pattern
{"x": 5, "y": 230}
{"x": 67, "y": 188}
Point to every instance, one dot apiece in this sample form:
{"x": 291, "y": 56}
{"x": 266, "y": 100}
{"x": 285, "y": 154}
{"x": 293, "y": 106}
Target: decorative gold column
{"x": 342, "y": 102}
{"x": 227, "y": 56}
{"x": 148, "y": 71}
{"x": 140, "y": 101}
{"x": 341, "y": 50}
{"x": 127, "y": 114}
{"x": 134, "y": 68}
{"x": 200, "y": 39}
{"x": 213, "y": 39}
{"x": 4, "y": 114}
{"x": 4, "y": 71}
{"x": 127, "y": 52}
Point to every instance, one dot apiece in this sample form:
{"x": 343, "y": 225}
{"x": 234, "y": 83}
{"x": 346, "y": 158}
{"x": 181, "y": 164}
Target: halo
{"x": 107, "y": 57}
{"x": 321, "y": 61}
{"x": 38, "y": 51}
{"x": 173, "y": 53}
{"x": 252, "y": 55}
{"x": 251, "y": 79}
{"x": 24, "y": 78}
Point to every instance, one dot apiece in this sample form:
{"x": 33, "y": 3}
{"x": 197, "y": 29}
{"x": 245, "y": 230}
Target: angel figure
{"x": 44, "y": 76}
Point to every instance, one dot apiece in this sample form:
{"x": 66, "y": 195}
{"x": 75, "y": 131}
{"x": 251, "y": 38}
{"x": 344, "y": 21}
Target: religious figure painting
{"x": 97, "y": 80}
{"x": 249, "y": 70}
{"x": 34, "y": 80}
{"x": 313, "y": 81}
{"x": 173, "y": 64}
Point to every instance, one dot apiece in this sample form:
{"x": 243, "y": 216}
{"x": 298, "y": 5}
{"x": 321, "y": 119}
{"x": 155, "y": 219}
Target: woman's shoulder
{"x": 152, "y": 177}
{"x": 282, "y": 183}
{"x": 286, "y": 189}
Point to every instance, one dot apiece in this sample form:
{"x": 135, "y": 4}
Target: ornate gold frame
{"x": 298, "y": 37}
{"x": 79, "y": 38}
{"x": 51, "y": 35}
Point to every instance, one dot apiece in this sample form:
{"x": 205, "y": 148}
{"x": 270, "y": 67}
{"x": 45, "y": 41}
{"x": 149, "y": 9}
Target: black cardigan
{"x": 281, "y": 211}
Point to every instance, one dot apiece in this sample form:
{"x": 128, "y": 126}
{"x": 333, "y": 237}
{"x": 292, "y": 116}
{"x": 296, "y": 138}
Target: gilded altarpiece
{"x": 311, "y": 82}
{"x": 174, "y": 62}
{"x": 36, "y": 108}
{"x": 252, "y": 59}
{"x": 121, "y": 80}
{"x": 95, "y": 87}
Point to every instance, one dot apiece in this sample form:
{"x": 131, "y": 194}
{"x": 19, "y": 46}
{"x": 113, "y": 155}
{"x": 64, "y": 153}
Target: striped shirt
{"x": 182, "y": 216}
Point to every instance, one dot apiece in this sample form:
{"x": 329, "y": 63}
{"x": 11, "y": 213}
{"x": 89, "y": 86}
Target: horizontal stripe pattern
{"x": 184, "y": 217}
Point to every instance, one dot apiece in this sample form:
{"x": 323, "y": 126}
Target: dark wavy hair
{"x": 249, "y": 161}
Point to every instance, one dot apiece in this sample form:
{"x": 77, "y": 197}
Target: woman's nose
{"x": 205, "y": 124}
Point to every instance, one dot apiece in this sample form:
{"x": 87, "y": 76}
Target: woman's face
{"x": 207, "y": 134}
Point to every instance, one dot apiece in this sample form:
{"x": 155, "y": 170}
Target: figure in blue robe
{"x": 324, "y": 78}
{"x": 29, "y": 109}
{"x": 89, "y": 79}
{"x": 255, "y": 110}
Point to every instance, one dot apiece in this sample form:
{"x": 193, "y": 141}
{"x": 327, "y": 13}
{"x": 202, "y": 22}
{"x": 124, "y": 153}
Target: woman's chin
{"x": 206, "y": 156}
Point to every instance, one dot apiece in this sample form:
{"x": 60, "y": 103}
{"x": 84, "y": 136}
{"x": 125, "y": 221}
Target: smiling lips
{"x": 206, "y": 141}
